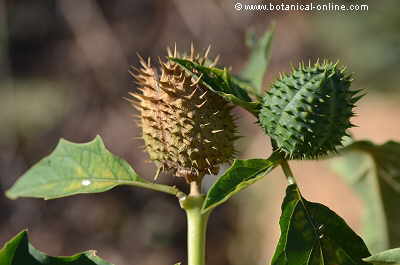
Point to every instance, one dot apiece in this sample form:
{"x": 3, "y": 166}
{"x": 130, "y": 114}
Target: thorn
{"x": 142, "y": 62}
{"x": 207, "y": 161}
{"x": 197, "y": 81}
{"x": 207, "y": 51}
{"x": 209, "y": 171}
{"x": 191, "y": 94}
{"x": 169, "y": 52}
{"x": 132, "y": 101}
{"x": 165, "y": 66}
{"x": 140, "y": 57}
{"x": 181, "y": 75}
{"x": 136, "y": 116}
{"x": 157, "y": 174}
{"x": 191, "y": 51}
{"x": 357, "y": 98}
{"x": 140, "y": 97}
{"x": 204, "y": 125}
{"x": 175, "y": 53}
{"x": 202, "y": 104}
{"x": 217, "y": 131}
{"x": 214, "y": 63}
{"x": 292, "y": 67}
{"x": 138, "y": 107}
{"x": 202, "y": 96}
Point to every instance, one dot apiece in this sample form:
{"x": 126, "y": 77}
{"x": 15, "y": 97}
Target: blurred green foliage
{"x": 367, "y": 41}
{"x": 29, "y": 107}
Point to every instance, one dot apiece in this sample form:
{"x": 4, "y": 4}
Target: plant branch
{"x": 288, "y": 172}
{"x": 197, "y": 224}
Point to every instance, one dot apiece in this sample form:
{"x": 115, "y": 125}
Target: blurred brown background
{"x": 63, "y": 73}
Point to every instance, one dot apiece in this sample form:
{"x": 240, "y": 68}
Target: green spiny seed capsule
{"x": 308, "y": 112}
{"x": 186, "y": 128}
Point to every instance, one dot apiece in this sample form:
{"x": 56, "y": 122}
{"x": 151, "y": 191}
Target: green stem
{"x": 288, "y": 172}
{"x": 197, "y": 226}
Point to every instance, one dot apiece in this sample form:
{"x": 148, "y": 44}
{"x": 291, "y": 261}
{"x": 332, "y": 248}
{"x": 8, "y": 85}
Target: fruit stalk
{"x": 288, "y": 172}
{"x": 197, "y": 226}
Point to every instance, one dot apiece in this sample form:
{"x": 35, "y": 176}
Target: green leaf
{"x": 240, "y": 175}
{"x": 258, "y": 61}
{"x": 79, "y": 168}
{"x": 221, "y": 82}
{"x": 313, "y": 234}
{"x": 391, "y": 256}
{"x": 373, "y": 171}
{"x": 18, "y": 251}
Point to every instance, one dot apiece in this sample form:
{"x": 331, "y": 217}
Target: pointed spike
{"x": 354, "y": 92}
{"x": 215, "y": 62}
{"x": 191, "y": 94}
{"x": 169, "y": 52}
{"x": 140, "y": 97}
{"x": 207, "y": 51}
{"x": 175, "y": 53}
{"x": 205, "y": 124}
{"x": 139, "y": 56}
{"x": 197, "y": 81}
{"x": 202, "y": 104}
{"x": 191, "y": 51}
{"x": 203, "y": 95}
{"x": 357, "y": 98}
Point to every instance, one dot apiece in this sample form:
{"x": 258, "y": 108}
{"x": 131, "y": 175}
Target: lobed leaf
{"x": 240, "y": 175}
{"x": 388, "y": 257}
{"x": 79, "y": 168}
{"x": 373, "y": 171}
{"x": 221, "y": 82}
{"x": 257, "y": 65}
{"x": 18, "y": 251}
{"x": 312, "y": 234}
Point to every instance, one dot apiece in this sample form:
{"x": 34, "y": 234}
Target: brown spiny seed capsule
{"x": 186, "y": 128}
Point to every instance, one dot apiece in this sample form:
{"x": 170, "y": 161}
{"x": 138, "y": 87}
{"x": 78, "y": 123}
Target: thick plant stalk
{"x": 288, "y": 172}
{"x": 197, "y": 226}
